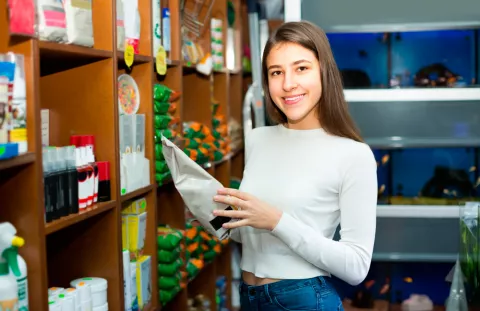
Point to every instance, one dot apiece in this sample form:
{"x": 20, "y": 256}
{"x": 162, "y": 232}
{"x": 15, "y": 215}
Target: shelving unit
{"x": 79, "y": 87}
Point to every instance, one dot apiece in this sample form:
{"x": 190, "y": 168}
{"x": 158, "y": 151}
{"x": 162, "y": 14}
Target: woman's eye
{"x": 303, "y": 68}
{"x": 275, "y": 73}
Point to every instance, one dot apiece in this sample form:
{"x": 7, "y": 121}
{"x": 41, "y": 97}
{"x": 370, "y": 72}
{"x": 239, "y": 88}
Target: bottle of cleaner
{"x": 93, "y": 164}
{"x": 82, "y": 175}
{"x": 72, "y": 180}
{"x": 9, "y": 244}
{"x": 90, "y": 176}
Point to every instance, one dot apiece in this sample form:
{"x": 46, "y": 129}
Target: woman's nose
{"x": 289, "y": 82}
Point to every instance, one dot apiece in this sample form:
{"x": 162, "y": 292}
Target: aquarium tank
{"x": 415, "y": 96}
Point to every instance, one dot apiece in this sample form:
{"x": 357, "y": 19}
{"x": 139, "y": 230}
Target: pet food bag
{"x": 197, "y": 188}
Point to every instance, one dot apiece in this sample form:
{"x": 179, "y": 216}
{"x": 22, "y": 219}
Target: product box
{"x": 137, "y": 226}
{"x": 125, "y": 241}
{"x": 136, "y": 207}
{"x": 133, "y": 287}
{"x": 144, "y": 280}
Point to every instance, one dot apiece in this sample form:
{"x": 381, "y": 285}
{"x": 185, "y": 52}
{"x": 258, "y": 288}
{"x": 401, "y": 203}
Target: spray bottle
{"x": 9, "y": 244}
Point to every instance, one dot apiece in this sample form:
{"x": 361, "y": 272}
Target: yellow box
{"x": 125, "y": 240}
{"x": 144, "y": 281}
{"x": 137, "y": 227}
{"x": 136, "y": 207}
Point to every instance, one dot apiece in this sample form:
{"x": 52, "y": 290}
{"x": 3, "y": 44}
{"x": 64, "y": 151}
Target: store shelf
{"x": 413, "y": 94}
{"x": 414, "y": 257}
{"x": 78, "y": 86}
{"x": 396, "y": 142}
{"x": 67, "y": 221}
{"x": 59, "y": 50}
{"x": 137, "y": 193}
{"x": 137, "y": 58}
{"x": 418, "y": 211}
{"x": 20, "y": 160}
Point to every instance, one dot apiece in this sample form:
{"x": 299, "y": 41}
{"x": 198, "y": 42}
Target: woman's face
{"x": 295, "y": 84}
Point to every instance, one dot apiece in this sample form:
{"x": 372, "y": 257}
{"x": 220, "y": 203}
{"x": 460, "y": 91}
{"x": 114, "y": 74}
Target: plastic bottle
{"x": 46, "y": 187}
{"x": 22, "y": 282}
{"x": 61, "y": 164}
{"x": 9, "y": 244}
{"x": 90, "y": 185}
{"x": 82, "y": 180}
{"x": 91, "y": 162}
{"x": 72, "y": 176}
{"x": 54, "y": 178}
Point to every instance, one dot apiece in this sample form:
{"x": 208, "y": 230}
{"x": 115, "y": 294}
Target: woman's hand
{"x": 252, "y": 212}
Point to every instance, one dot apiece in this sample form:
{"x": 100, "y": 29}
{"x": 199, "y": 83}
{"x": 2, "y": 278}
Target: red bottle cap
{"x": 75, "y": 140}
{"x": 88, "y": 140}
{"x": 103, "y": 170}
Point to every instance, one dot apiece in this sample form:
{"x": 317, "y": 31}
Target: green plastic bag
{"x": 168, "y": 256}
{"x": 170, "y": 269}
{"x": 161, "y": 178}
{"x": 169, "y": 240}
{"x": 161, "y": 107}
{"x": 162, "y": 121}
{"x": 161, "y": 167}
{"x": 167, "y": 295}
{"x": 169, "y": 282}
{"x": 161, "y": 93}
{"x": 159, "y": 152}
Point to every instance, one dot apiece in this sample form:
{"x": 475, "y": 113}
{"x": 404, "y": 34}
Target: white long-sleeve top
{"x": 318, "y": 180}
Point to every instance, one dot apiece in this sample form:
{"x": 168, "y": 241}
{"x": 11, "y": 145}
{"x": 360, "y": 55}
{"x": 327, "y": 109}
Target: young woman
{"x": 302, "y": 178}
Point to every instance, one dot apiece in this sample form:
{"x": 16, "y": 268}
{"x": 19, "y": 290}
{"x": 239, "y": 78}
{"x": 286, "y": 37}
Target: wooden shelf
{"x": 78, "y": 86}
{"x": 137, "y": 59}
{"x": 20, "y": 160}
{"x": 137, "y": 193}
{"x": 67, "y": 221}
{"x": 59, "y": 50}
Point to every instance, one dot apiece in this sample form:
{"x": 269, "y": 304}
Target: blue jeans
{"x": 315, "y": 294}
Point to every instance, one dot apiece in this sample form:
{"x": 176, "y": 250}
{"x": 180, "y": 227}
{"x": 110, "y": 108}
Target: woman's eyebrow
{"x": 294, "y": 63}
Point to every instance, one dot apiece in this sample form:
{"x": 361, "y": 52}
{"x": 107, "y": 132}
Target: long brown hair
{"x": 332, "y": 108}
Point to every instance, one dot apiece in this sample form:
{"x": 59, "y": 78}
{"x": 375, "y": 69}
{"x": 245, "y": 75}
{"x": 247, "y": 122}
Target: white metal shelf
{"x": 413, "y": 94}
{"x": 414, "y": 257}
{"x": 418, "y": 211}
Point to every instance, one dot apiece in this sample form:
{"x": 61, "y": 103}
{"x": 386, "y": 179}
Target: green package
{"x": 162, "y": 122}
{"x": 168, "y": 256}
{"x": 192, "y": 270}
{"x": 168, "y": 133}
{"x": 168, "y": 295}
{"x": 161, "y": 167}
{"x": 191, "y": 133}
{"x": 161, "y": 107}
{"x": 161, "y": 92}
{"x": 159, "y": 152}
{"x": 193, "y": 143}
{"x": 217, "y": 155}
{"x": 163, "y": 177}
{"x": 216, "y": 122}
{"x": 209, "y": 255}
{"x": 169, "y": 282}
{"x": 216, "y": 134}
{"x": 170, "y": 269}
{"x": 169, "y": 240}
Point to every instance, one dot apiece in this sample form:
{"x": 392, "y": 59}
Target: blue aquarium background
{"x": 393, "y": 60}
{"x": 366, "y": 51}
{"x": 404, "y": 279}
{"x": 409, "y": 52}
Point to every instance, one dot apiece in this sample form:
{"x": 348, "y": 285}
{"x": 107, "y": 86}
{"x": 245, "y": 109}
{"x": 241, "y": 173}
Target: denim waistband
{"x": 285, "y": 286}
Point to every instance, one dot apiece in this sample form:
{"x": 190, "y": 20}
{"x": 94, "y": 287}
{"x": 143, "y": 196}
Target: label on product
{"x": 129, "y": 55}
{"x": 161, "y": 61}
{"x": 22, "y": 294}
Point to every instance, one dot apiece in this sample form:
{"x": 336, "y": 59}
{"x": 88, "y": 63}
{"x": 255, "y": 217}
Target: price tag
{"x": 161, "y": 61}
{"x": 129, "y": 55}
